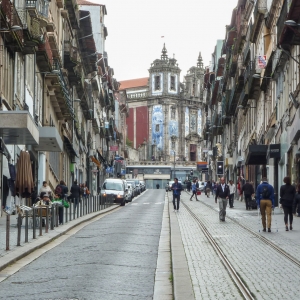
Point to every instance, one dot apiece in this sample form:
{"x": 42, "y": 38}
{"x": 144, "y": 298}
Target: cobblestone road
{"x": 267, "y": 273}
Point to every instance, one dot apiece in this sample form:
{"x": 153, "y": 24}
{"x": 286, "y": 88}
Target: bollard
{"x": 81, "y": 205}
{"x": 71, "y": 210}
{"x": 47, "y": 219}
{"x": 78, "y": 208}
{"x": 7, "y": 231}
{"x": 66, "y": 214}
{"x": 56, "y": 215}
{"x": 62, "y": 220}
{"x": 33, "y": 223}
{"x": 41, "y": 221}
{"x": 26, "y": 226}
{"x": 19, "y": 224}
{"x": 52, "y": 218}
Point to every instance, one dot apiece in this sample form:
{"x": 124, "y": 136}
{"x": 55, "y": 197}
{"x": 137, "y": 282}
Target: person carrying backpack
{"x": 265, "y": 200}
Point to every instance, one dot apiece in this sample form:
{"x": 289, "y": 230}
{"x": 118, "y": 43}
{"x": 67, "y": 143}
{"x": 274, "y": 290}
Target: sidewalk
{"x": 17, "y": 252}
{"x": 260, "y": 266}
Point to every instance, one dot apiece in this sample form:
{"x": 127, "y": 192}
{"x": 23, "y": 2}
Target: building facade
{"x": 59, "y": 99}
{"x": 251, "y": 94}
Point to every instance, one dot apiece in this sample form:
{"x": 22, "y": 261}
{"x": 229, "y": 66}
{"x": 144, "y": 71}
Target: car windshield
{"x": 113, "y": 186}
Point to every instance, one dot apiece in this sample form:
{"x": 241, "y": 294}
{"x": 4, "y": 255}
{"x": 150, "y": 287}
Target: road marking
{"x": 146, "y": 203}
{"x": 134, "y": 203}
{"x": 158, "y": 203}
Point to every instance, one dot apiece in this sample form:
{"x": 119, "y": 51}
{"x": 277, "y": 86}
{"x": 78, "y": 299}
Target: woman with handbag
{"x": 287, "y": 195}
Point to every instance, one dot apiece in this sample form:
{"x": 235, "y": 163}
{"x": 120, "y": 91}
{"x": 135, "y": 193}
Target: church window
{"x": 173, "y": 113}
{"x": 157, "y": 127}
{"x": 172, "y": 84}
{"x": 157, "y": 83}
{"x": 193, "y": 90}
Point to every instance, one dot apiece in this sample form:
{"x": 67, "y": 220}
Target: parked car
{"x": 136, "y": 185}
{"x": 130, "y": 192}
{"x": 115, "y": 189}
{"x": 142, "y": 185}
{"x": 201, "y": 186}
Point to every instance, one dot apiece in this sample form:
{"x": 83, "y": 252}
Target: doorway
{"x": 193, "y": 152}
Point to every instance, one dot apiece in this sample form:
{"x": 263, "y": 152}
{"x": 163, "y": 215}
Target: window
{"x": 157, "y": 127}
{"x": 173, "y": 145}
{"x": 157, "y": 83}
{"x": 172, "y": 84}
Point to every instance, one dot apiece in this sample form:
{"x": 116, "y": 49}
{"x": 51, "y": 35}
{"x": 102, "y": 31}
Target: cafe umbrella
{"x": 24, "y": 179}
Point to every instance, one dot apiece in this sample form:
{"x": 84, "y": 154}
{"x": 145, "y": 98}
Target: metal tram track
{"x": 234, "y": 275}
{"x": 261, "y": 238}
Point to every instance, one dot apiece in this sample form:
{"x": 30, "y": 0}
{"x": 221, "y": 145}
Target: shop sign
{"x": 113, "y": 148}
{"x": 273, "y": 151}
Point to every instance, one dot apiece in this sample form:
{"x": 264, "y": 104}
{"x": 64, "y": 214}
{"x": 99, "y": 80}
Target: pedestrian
{"x": 157, "y": 186}
{"x": 45, "y": 188}
{"x": 75, "y": 191}
{"x": 61, "y": 193}
{"x": 232, "y": 190}
{"x": 265, "y": 200}
{"x": 197, "y": 183}
{"x": 188, "y": 186}
{"x": 85, "y": 191}
{"x": 222, "y": 194}
{"x": 194, "y": 191}
{"x": 248, "y": 193}
{"x": 287, "y": 196}
{"x": 177, "y": 188}
{"x": 296, "y": 205}
{"x": 213, "y": 188}
{"x": 208, "y": 188}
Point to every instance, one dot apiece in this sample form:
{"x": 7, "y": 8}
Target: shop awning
{"x": 257, "y": 155}
{"x": 18, "y": 128}
{"x": 49, "y": 140}
{"x": 95, "y": 161}
{"x": 157, "y": 176}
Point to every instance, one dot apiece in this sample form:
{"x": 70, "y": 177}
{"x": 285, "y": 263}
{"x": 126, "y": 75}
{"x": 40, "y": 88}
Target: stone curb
{"x": 182, "y": 282}
{"x": 28, "y": 248}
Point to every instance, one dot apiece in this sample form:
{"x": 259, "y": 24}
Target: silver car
{"x": 114, "y": 190}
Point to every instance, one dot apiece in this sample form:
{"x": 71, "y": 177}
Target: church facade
{"x": 165, "y": 114}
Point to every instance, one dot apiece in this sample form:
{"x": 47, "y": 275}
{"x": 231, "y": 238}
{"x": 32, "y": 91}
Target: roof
{"x": 85, "y": 2}
{"x": 131, "y": 83}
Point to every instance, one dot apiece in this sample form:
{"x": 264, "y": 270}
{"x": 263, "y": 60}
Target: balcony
{"x": 72, "y": 7}
{"x": 52, "y": 37}
{"x": 39, "y": 9}
{"x": 10, "y": 17}
{"x": 86, "y": 103}
{"x": 111, "y": 126}
{"x": 70, "y": 62}
{"x": 252, "y": 85}
{"x": 259, "y": 15}
{"x": 31, "y": 31}
{"x": 288, "y": 35}
{"x": 59, "y": 95}
{"x": 96, "y": 121}
{"x": 44, "y": 56}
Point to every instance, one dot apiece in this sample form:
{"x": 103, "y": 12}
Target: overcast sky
{"x": 135, "y": 30}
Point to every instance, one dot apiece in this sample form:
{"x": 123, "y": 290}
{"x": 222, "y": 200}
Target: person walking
{"x": 248, "y": 193}
{"x": 177, "y": 188}
{"x": 265, "y": 200}
{"x": 296, "y": 204}
{"x": 232, "y": 190}
{"x": 208, "y": 188}
{"x": 287, "y": 196}
{"x": 75, "y": 192}
{"x": 157, "y": 186}
{"x": 194, "y": 191}
{"x": 188, "y": 186}
{"x": 222, "y": 194}
{"x": 61, "y": 193}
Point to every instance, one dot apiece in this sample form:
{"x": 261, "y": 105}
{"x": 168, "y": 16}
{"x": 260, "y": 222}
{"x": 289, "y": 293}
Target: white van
{"x": 115, "y": 189}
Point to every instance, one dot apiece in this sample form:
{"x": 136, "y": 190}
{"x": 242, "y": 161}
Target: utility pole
{"x": 174, "y": 162}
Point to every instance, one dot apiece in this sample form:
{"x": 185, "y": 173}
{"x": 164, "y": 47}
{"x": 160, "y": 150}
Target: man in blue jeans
{"x": 176, "y": 188}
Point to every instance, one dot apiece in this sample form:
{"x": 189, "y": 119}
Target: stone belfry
{"x": 163, "y": 104}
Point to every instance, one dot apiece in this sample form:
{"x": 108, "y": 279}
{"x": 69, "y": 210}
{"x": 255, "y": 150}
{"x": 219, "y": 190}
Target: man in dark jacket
{"x": 176, "y": 188}
{"x": 75, "y": 194}
{"x": 222, "y": 194}
{"x": 248, "y": 193}
{"x": 265, "y": 200}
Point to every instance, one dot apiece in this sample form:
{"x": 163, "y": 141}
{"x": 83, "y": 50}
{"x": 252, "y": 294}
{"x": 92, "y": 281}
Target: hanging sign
{"x": 261, "y": 61}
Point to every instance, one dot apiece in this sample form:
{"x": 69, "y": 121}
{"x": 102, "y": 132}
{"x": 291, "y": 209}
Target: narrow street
{"x": 112, "y": 258}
